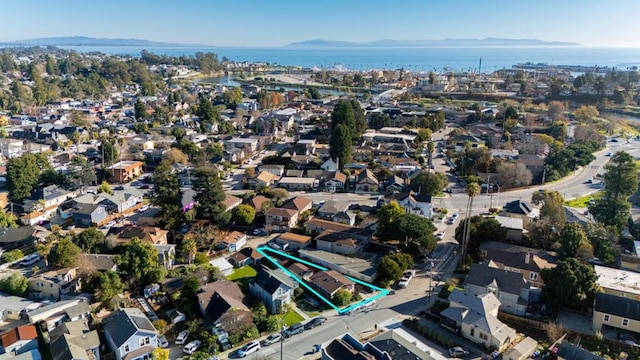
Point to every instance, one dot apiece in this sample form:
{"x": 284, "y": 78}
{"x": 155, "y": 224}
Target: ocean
{"x": 412, "y": 59}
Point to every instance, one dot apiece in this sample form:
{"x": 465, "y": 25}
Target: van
{"x": 30, "y": 260}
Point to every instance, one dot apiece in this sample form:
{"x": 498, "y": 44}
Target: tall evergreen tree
{"x": 343, "y": 114}
{"x": 167, "y": 195}
{"x": 340, "y": 145}
{"x": 210, "y": 196}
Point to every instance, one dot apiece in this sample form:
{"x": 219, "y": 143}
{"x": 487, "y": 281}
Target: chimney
{"x": 527, "y": 258}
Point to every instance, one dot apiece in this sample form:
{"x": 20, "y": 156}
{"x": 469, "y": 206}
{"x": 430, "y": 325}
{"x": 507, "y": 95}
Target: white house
{"x": 130, "y": 334}
{"x": 225, "y": 267}
{"x": 235, "y": 240}
{"x": 330, "y": 165}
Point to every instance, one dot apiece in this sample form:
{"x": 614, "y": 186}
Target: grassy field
{"x": 583, "y": 202}
{"x": 292, "y": 317}
{"x": 243, "y": 272}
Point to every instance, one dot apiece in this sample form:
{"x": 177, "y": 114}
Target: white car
{"x": 182, "y": 337}
{"x": 191, "y": 347}
{"x": 30, "y": 260}
{"x": 109, "y": 224}
{"x": 162, "y": 342}
{"x": 143, "y": 208}
{"x": 440, "y": 235}
{"x": 249, "y": 348}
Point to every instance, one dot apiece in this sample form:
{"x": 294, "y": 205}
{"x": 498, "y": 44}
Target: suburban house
{"x": 391, "y": 344}
{"x": 345, "y": 217}
{"x": 74, "y": 341}
{"x": 274, "y": 288}
{"x": 11, "y": 307}
{"x": 231, "y": 202}
{"x": 412, "y": 203}
{"x": 235, "y": 241}
{"x": 616, "y": 312}
{"x": 97, "y": 262}
{"x": 125, "y": 171}
{"x": 258, "y": 202}
{"x": 249, "y": 144}
{"x": 292, "y": 241}
{"x": 476, "y": 317}
{"x": 330, "y": 166}
{"x": 130, "y": 334}
{"x": 315, "y": 225}
{"x": 17, "y": 238}
{"x": 44, "y": 202}
{"x": 52, "y": 284}
{"x": 521, "y": 209}
{"x": 280, "y": 219}
{"x": 301, "y": 270}
{"x": 298, "y": 183}
{"x": 329, "y": 282}
{"x": 330, "y": 208}
{"x": 513, "y": 226}
{"x": 221, "y": 302}
{"x": 299, "y": 204}
{"x": 366, "y": 182}
{"x": 263, "y": 179}
{"x": 339, "y": 242}
{"x": 53, "y": 315}
{"x": 87, "y": 215}
{"x": 522, "y": 350}
{"x": 363, "y": 268}
{"x": 122, "y": 202}
{"x": 246, "y": 256}
{"x": 166, "y": 255}
{"x": 150, "y": 234}
{"x": 631, "y": 261}
{"x": 569, "y": 351}
{"x": 461, "y": 141}
{"x": 276, "y": 170}
{"x": 509, "y": 287}
{"x": 617, "y": 282}
{"x": 19, "y": 340}
{"x": 225, "y": 267}
{"x": 336, "y": 181}
{"x": 526, "y": 261}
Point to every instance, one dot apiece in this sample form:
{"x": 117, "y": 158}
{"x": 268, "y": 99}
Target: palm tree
{"x": 473, "y": 190}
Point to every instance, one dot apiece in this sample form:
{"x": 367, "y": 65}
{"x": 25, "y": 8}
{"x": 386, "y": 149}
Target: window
{"x": 533, "y": 276}
{"x": 606, "y": 318}
{"x": 126, "y": 348}
{"x": 144, "y": 341}
{"x": 472, "y": 333}
{"x": 625, "y": 322}
{"x": 147, "y": 340}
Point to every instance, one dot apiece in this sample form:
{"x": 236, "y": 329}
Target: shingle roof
{"x": 569, "y": 351}
{"x": 615, "y": 305}
{"x": 124, "y": 323}
{"x": 507, "y": 281}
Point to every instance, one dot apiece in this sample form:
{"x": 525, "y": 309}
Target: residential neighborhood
{"x": 150, "y": 214}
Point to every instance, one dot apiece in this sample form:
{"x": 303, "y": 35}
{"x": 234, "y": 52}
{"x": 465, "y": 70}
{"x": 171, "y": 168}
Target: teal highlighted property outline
{"x": 382, "y": 292}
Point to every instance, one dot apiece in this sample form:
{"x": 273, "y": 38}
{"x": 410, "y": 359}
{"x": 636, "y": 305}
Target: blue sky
{"x": 279, "y": 22}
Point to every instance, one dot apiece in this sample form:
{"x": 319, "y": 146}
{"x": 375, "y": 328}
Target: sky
{"x": 266, "y": 23}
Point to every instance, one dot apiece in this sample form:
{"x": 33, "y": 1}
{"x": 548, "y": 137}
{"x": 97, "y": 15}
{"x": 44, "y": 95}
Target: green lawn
{"x": 243, "y": 272}
{"x": 583, "y": 202}
{"x": 292, "y": 317}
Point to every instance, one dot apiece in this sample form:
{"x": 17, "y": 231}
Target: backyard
{"x": 242, "y": 273}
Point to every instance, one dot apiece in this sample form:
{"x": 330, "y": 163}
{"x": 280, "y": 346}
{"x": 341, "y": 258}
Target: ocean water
{"x": 413, "y": 59}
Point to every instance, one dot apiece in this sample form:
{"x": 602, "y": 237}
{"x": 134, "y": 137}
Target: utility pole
{"x": 430, "y": 288}
{"x": 284, "y": 327}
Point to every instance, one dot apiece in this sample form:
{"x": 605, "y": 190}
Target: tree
{"x": 620, "y": 181}
{"x": 601, "y": 240}
{"x": 249, "y": 172}
{"x": 105, "y": 188}
{"x": 405, "y": 261}
{"x": 586, "y": 113}
{"x": 423, "y": 135}
{"x": 160, "y": 325}
{"x": 110, "y": 285}
{"x": 138, "y": 261}
{"x": 140, "y": 109}
{"x": 176, "y": 156}
{"x": 12, "y": 255}
{"x": 481, "y": 230}
{"x": 411, "y": 226}
{"x": 570, "y": 284}
{"x": 243, "y": 214}
{"x": 64, "y": 253}
{"x": 160, "y": 354}
{"x": 513, "y": 174}
{"x": 210, "y": 196}
{"x": 430, "y": 183}
{"x": 340, "y": 145}
{"x": 552, "y": 205}
{"x": 109, "y": 151}
{"x": 44, "y": 249}
{"x": 389, "y": 270}
{"x": 571, "y": 238}
{"x": 343, "y": 114}
{"x": 473, "y": 190}
{"x": 23, "y": 174}
{"x": 379, "y": 120}
{"x": 341, "y": 298}
{"x": 556, "y": 110}
{"x": 90, "y": 240}
{"x": 206, "y": 111}
{"x": 7, "y": 220}
{"x": 232, "y": 97}
{"x": 188, "y": 249}
{"x": 167, "y": 195}
{"x": 388, "y": 215}
{"x": 16, "y": 284}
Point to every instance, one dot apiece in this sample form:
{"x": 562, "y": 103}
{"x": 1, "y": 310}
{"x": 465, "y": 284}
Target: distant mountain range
{"x": 487, "y": 42}
{"x": 90, "y": 41}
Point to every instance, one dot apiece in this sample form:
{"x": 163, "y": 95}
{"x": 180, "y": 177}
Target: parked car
{"x": 162, "y": 342}
{"x": 109, "y": 224}
{"x": 225, "y": 344}
{"x": 191, "y": 347}
{"x": 294, "y": 329}
{"x": 249, "y": 348}
{"x": 143, "y": 208}
{"x": 119, "y": 187}
{"x": 312, "y": 302}
{"x": 182, "y": 337}
{"x": 30, "y": 260}
{"x": 440, "y": 235}
{"x": 458, "y": 351}
{"x": 317, "y": 321}
{"x": 453, "y": 219}
{"x": 272, "y": 339}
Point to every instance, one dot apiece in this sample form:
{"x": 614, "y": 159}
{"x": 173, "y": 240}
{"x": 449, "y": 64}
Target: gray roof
{"x": 14, "y": 302}
{"x": 10, "y": 235}
{"x": 124, "y": 323}
{"x": 615, "y": 305}
{"x": 478, "y": 312}
{"x": 510, "y": 223}
{"x": 568, "y": 351}
{"x": 507, "y": 281}
{"x": 333, "y": 207}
